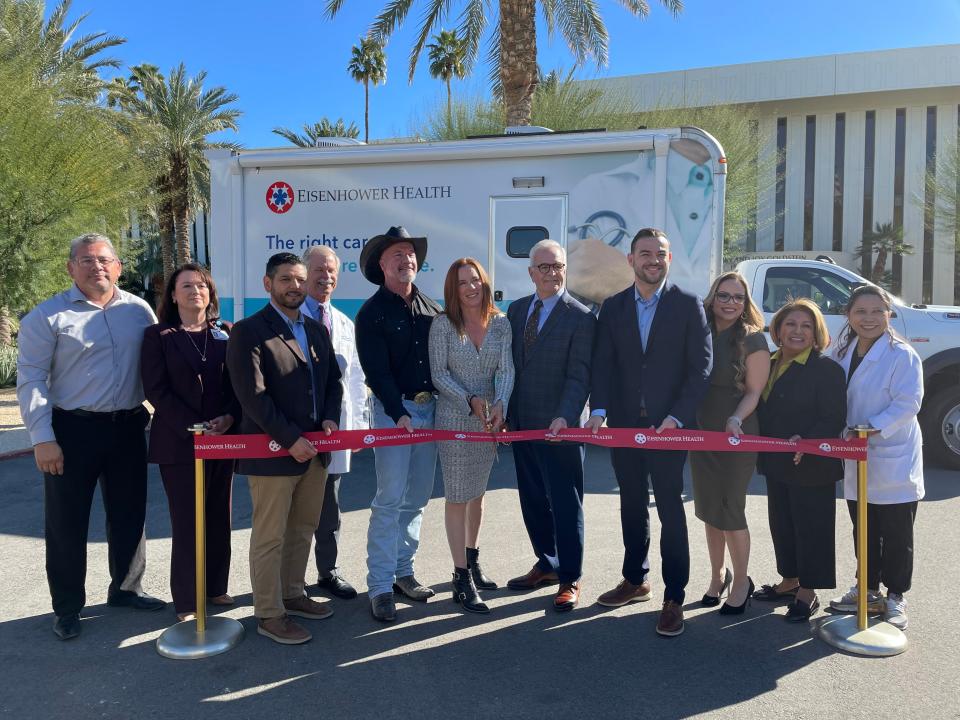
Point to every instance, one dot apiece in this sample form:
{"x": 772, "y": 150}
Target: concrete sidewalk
{"x": 522, "y": 661}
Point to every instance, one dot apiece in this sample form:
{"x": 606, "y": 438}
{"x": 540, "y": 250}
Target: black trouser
{"x": 802, "y": 524}
{"x": 327, "y": 535}
{"x": 112, "y": 451}
{"x": 550, "y": 487}
{"x": 665, "y": 470}
{"x": 889, "y": 544}
{"x": 179, "y": 481}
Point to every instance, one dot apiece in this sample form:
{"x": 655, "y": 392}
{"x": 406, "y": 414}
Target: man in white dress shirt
{"x": 81, "y": 398}
{"x": 323, "y": 268}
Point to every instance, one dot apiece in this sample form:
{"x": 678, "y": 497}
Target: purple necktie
{"x": 325, "y": 319}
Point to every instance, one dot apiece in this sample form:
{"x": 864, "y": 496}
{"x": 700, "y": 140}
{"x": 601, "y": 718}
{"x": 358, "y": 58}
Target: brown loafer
{"x": 307, "y": 608}
{"x": 533, "y": 579}
{"x": 625, "y": 592}
{"x": 283, "y": 630}
{"x": 221, "y": 600}
{"x": 671, "y": 619}
{"x": 567, "y": 596}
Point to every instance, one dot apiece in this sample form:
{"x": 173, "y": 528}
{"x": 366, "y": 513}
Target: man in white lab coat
{"x": 323, "y": 268}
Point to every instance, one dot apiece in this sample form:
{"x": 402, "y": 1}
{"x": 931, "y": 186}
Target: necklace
{"x": 202, "y": 353}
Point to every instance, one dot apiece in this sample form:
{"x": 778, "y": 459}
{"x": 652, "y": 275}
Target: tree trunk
{"x": 180, "y": 182}
{"x": 449, "y": 108}
{"x": 518, "y": 59}
{"x": 6, "y": 332}
{"x": 880, "y": 265}
{"x": 165, "y": 226}
{"x": 366, "y": 111}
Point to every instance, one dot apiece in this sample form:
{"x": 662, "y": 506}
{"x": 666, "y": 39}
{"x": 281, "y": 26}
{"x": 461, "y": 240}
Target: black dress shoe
{"x": 137, "y": 602}
{"x": 411, "y": 587}
{"x": 66, "y": 627}
{"x": 714, "y": 600}
{"x": 729, "y": 609}
{"x": 337, "y": 586}
{"x": 798, "y": 611}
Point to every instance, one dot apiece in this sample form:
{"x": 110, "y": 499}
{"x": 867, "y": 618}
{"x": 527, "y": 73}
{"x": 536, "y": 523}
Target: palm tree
{"x": 513, "y": 44}
{"x": 885, "y": 240}
{"x": 368, "y": 64}
{"x": 69, "y": 65}
{"x": 179, "y": 115}
{"x": 313, "y": 134}
{"x": 447, "y": 60}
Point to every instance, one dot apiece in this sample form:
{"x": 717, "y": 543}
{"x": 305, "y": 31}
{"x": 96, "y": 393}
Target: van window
{"x": 521, "y": 238}
{"x": 828, "y": 290}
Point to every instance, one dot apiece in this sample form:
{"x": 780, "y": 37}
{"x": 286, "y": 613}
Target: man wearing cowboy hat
{"x": 392, "y": 330}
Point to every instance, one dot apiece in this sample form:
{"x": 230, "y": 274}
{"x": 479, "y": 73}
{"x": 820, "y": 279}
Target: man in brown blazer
{"x": 287, "y": 380}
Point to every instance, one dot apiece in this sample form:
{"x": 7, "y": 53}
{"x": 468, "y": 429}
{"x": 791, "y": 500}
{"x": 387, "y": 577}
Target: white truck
{"x": 494, "y": 197}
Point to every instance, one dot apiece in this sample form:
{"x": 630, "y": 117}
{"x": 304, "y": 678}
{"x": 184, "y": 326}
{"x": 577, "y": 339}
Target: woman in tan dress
{"x": 741, "y": 365}
{"x": 472, "y": 367}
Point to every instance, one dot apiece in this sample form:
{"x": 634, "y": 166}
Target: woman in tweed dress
{"x": 472, "y": 368}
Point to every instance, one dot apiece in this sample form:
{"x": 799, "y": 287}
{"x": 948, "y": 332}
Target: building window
{"x": 839, "y": 140}
{"x": 899, "y": 153}
{"x": 750, "y": 238}
{"x": 809, "y": 166}
{"x": 929, "y": 202}
{"x": 869, "y": 148}
{"x": 781, "y": 193}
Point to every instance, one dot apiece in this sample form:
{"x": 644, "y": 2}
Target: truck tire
{"x": 940, "y": 423}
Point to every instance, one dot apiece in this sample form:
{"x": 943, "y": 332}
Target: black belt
{"x": 114, "y": 416}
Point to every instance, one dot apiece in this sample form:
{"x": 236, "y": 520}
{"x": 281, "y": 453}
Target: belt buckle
{"x": 423, "y": 397}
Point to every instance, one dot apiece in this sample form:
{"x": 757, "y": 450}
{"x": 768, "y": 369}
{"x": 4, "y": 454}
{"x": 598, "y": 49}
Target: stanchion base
{"x": 183, "y": 642}
{"x": 880, "y": 639}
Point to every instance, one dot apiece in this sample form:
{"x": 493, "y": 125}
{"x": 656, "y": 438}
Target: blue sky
{"x": 287, "y": 61}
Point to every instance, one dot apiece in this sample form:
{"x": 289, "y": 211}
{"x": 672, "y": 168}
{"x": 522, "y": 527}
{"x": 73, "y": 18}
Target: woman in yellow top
{"x": 805, "y": 397}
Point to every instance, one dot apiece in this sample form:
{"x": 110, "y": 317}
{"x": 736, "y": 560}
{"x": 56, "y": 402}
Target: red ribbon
{"x": 226, "y": 447}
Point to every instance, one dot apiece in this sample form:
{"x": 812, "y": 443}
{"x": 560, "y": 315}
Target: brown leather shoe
{"x": 625, "y": 592}
{"x": 671, "y": 619}
{"x": 307, "y": 608}
{"x": 533, "y": 579}
{"x": 283, "y": 630}
{"x": 567, "y": 596}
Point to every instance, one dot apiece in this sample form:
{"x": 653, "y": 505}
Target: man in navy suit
{"x": 651, "y": 367}
{"x": 552, "y": 340}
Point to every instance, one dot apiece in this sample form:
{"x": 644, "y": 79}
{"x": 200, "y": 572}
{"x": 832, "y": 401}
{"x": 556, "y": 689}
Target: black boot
{"x": 479, "y": 579}
{"x": 465, "y": 592}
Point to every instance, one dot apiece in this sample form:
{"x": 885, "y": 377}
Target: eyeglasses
{"x": 725, "y": 297}
{"x": 88, "y": 261}
{"x": 545, "y": 268}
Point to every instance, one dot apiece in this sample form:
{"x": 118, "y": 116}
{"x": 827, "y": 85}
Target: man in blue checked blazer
{"x": 552, "y": 341}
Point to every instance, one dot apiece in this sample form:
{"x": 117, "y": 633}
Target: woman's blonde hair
{"x": 750, "y": 321}
{"x": 821, "y": 336}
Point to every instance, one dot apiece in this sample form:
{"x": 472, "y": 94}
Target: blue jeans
{"x": 404, "y": 486}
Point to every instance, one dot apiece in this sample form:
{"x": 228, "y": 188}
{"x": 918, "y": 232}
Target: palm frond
{"x": 473, "y": 22}
{"x": 389, "y": 19}
{"x": 434, "y": 13}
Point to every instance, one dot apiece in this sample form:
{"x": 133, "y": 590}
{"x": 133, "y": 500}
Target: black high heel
{"x": 714, "y": 600}
{"x": 729, "y": 609}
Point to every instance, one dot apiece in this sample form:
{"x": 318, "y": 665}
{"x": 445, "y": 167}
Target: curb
{"x": 15, "y": 454}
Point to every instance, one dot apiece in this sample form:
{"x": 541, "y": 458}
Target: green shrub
{"x": 8, "y": 365}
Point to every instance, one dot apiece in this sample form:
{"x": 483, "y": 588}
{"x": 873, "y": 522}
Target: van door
{"x": 517, "y": 223}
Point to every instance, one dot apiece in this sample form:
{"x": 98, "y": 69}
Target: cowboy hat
{"x": 370, "y": 255}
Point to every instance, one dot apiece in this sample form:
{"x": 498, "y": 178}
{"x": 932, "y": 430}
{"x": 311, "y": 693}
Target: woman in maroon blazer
{"x": 185, "y": 379}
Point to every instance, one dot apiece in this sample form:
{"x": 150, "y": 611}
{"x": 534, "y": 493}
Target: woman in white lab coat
{"x": 884, "y": 391}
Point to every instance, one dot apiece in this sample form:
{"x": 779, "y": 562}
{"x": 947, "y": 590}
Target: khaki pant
{"x": 286, "y": 510}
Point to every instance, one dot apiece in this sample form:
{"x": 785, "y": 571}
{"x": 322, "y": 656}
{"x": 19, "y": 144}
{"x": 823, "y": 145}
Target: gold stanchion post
{"x": 201, "y": 637}
{"x": 852, "y": 633}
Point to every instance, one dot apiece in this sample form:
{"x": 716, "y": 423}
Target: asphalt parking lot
{"x": 522, "y": 661}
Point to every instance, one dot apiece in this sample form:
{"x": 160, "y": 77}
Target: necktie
{"x": 325, "y": 319}
{"x": 530, "y": 330}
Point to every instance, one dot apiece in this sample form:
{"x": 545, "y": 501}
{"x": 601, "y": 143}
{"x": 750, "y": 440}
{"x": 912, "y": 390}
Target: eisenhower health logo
{"x": 733, "y": 440}
{"x": 640, "y": 438}
{"x": 274, "y": 446}
{"x": 280, "y": 197}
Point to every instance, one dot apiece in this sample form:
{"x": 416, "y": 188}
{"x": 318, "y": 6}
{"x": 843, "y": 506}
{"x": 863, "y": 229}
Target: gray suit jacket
{"x": 553, "y": 380}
